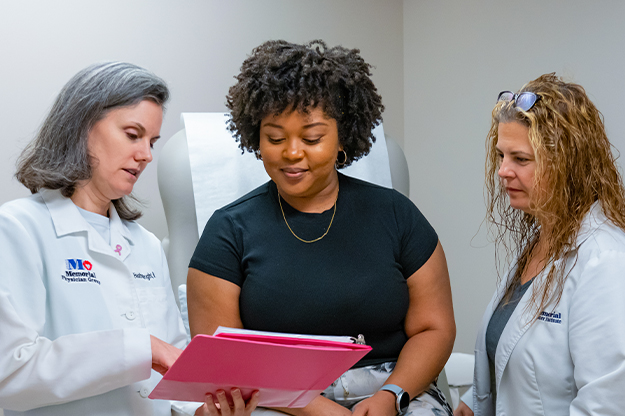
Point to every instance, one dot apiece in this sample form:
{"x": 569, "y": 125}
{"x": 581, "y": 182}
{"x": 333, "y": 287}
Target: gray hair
{"x": 58, "y": 157}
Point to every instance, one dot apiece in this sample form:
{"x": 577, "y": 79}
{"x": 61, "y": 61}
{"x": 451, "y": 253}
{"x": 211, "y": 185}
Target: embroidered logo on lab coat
{"x": 551, "y": 317}
{"x": 79, "y": 271}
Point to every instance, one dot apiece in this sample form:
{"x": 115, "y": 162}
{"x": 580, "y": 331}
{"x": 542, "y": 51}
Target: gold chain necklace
{"x": 295, "y": 235}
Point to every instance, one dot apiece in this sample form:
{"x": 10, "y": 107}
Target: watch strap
{"x": 402, "y": 400}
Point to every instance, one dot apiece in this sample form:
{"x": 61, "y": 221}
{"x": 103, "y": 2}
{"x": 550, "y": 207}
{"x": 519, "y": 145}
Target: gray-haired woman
{"x": 86, "y": 307}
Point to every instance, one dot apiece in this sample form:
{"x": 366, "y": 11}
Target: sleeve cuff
{"x": 138, "y": 353}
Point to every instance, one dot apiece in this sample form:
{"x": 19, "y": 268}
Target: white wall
{"x": 458, "y": 56}
{"x": 197, "y": 46}
{"x": 438, "y": 65}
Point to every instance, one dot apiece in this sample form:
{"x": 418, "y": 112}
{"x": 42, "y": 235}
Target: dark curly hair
{"x": 280, "y": 75}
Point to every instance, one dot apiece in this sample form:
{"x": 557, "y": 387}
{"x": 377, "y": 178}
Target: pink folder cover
{"x": 288, "y": 372}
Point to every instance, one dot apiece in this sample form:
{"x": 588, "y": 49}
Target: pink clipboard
{"x": 288, "y": 372}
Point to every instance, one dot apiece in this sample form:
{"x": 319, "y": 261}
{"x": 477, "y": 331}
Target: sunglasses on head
{"x": 523, "y": 101}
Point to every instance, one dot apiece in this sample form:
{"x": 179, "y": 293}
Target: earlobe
{"x": 341, "y": 158}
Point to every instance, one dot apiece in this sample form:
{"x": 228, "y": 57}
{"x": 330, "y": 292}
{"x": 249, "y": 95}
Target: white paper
{"x": 227, "y": 330}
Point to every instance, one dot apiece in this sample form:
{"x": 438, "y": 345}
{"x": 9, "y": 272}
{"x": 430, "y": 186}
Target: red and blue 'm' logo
{"x": 78, "y": 264}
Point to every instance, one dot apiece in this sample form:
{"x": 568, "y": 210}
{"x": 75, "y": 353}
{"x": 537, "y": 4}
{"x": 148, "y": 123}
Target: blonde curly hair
{"x": 574, "y": 166}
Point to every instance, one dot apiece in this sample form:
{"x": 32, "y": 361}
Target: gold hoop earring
{"x": 340, "y": 163}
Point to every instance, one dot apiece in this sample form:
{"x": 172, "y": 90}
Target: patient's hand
{"x": 463, "y": 410}
{"x": 381, "y": 403}
{"x": 224, "y": 408}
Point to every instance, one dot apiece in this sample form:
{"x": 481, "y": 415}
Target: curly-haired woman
{"x": 316, "y": 252}
{"x": 552, "y": 340}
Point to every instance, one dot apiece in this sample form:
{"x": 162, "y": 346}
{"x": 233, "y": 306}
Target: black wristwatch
{"x": 402, "y": 399}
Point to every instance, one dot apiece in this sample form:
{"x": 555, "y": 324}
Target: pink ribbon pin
{"x": 118, "y": 249}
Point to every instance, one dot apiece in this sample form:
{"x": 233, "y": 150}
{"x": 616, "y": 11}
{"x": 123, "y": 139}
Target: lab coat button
{"x": 131, "y": 315}
{"x": 144, "y": 392}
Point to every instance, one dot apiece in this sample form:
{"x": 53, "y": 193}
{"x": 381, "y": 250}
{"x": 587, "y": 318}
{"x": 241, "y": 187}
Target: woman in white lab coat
{"x": 552, "y": 340}
{"x": 86, "y": 307}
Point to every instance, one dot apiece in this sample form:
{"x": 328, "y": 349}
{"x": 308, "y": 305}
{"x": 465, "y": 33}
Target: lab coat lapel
{"x": 519, "y": 322}
{"x": 481, "y": 375}
{"x": 68, "y": 220}
{"x": 121, "y": 240}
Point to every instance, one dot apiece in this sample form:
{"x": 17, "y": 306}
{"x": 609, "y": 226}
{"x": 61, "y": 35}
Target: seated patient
{"x": 552, "y": 340}
{"x": 316, "y": 252}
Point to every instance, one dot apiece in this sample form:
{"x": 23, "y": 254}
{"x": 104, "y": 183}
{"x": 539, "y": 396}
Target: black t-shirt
{"x": 353, "y": 281}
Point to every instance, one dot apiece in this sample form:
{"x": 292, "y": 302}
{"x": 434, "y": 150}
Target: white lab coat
{"x": 76, "y": 313}
{"x": 572, "y": 360}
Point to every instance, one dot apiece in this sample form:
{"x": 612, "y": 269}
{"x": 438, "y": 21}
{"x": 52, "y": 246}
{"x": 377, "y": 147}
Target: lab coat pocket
{"x": 153, "y": 303}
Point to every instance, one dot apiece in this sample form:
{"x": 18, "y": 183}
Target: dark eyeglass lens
{"x": 525, "y": 100}
{"x": 505, "y": 96}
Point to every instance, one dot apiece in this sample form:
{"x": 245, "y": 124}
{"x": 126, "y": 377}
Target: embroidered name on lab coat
{"x": 146, "y": 276}
{"x": 551, "y": 317}
{"x": 79, "y": 271}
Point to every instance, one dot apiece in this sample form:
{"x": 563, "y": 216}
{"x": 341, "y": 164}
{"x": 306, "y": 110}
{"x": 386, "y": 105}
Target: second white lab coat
{"x": 572, "y": 360}
{"x": 76, "y": 313}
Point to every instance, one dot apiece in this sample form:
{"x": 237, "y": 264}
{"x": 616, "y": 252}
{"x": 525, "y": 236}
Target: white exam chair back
{"x": 459, "y": 371}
